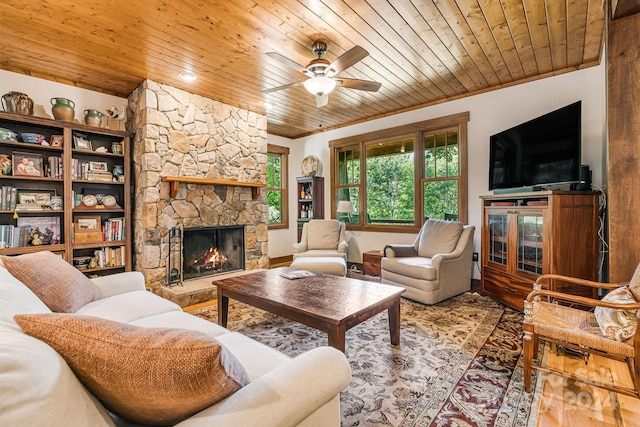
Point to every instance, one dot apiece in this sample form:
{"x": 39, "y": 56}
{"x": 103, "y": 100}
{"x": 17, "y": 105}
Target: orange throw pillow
{"x": 152, "y": 376}
{"x": 58, "y": 284}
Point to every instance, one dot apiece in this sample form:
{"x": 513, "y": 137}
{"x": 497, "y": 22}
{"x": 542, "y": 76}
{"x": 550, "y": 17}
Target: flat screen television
{"x": 542, "y": 152}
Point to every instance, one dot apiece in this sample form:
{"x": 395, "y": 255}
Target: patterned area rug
{"x": 458, "y": 364}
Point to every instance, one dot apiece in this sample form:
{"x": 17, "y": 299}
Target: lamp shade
{"x": 320, "y": 85}
{"x": 345, "y": 206}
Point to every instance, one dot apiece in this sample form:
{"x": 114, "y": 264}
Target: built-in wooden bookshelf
{"x": 86, "y": 164}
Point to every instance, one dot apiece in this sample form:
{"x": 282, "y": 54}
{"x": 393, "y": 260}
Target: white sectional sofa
{"x": 37, "y": 387}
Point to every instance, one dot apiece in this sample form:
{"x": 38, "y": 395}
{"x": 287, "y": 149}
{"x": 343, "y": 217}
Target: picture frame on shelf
{"x": 98, "y": 167}
{"x": 87, "y": 229}
{"x": 40, "y": 198}
{"x": 57, "y": 140}
{"x": 40, "y": 230}
{"x": 27, "y": 164}
{"x": 81, "y": 142}
{"x": 87, "y": 224}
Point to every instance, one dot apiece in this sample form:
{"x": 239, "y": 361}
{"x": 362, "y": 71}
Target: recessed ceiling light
{"x": 268, "y": 105}
{"x": 188, "y": 76}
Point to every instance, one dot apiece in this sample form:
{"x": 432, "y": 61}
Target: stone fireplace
{"x": 207, "y": 251}
{"x": 181, "y": 134}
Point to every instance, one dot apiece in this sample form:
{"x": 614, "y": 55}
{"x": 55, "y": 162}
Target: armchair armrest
{"x": 282, "y": 397}
{"x": 398, "y": 251}
{"x": 548, "y": 277}
{"x": 119, "y": 283}
{"x": 580, "y": 300}
{"x": 343, "y": 246}
{"x": 300, "y": 247}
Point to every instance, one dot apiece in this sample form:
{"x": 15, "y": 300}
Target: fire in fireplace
{"x": 212, "y": 250}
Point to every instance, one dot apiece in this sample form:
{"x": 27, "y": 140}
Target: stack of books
{"x": 55, "y": 167}
{"x": 113, "y": 229}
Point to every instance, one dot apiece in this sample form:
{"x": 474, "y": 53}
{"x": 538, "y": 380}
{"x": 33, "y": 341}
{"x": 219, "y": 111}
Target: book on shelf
{"x": 55, "y": 167}
{"x": 99, "y": 176}
{"x": 113, "y": 229}
{"x": 41, "y": 230}
{"x": 12, "y": 236}
{"x": 8, "y": 197}
{"x": 28, "y": 207}
{"x": 110, "y": 256}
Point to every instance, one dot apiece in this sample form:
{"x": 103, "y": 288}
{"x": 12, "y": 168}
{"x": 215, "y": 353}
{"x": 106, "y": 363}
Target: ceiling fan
{"x": 322, "y": 74}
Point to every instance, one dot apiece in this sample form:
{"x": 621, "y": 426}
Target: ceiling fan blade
{"x": 359, "y": 84}
{"x": 275, "y": 89}
{"x": 288, "y": 62}
{"x": 322, "y": 100}
{"x": 346, "y": 60}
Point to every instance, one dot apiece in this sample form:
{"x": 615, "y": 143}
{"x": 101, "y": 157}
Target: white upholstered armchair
{"x": 321, "y": 238}
{"x": 438, "y": 265}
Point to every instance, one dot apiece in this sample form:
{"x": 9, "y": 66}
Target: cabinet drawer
{"x": 506, "y": 289}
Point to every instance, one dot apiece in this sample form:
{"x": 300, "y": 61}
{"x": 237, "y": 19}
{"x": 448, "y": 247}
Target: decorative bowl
{"x": 8, "y": 135}
{"x": 32, "y": 138}
{"x": 81, "y": 262}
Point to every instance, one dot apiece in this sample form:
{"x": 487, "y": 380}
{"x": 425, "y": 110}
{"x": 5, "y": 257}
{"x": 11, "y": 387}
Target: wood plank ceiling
{"x": 422, "y": 51}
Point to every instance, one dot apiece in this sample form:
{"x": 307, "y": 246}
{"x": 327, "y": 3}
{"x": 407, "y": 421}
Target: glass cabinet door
{"x": 498, "y": 238}
{"x": 529, "y": 257}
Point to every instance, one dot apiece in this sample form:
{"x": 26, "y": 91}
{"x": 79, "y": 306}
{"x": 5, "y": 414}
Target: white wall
{"x": 41, "y": 91}
{"x": 281, "y": 241}
{"x": 490, "y": 112}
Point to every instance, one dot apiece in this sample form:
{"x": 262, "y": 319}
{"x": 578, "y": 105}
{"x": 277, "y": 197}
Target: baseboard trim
{"x": 280, "y": 261}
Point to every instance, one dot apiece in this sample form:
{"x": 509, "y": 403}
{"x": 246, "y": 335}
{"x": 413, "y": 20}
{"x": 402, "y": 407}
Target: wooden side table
{"x": 371, "y": 263}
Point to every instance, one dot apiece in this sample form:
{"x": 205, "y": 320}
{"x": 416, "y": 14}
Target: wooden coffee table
{"x": 328, "y": 303}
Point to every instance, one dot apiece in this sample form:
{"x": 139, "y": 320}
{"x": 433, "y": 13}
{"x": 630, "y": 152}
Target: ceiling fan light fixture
{"x": 319, "y": 85}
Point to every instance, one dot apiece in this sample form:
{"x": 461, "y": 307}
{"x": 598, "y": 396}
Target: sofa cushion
{"x": 323, "y": 234}
{"x": 416, "y": 267}
{"x": 150, "y": 376}
{"x": 16, "y": 298}
{"x": 439, "y": 237}
{"x": 257, "y": 358}
{"x": 185, "y": 320}
{"x": 62, "y": 287}
{"x": 619, "y": 325}
{"x": 39, "y": 389}
{"x": 129, "y": 306}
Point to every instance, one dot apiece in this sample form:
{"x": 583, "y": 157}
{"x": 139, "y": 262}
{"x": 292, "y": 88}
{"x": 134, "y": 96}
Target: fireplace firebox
{"x": 208, "y": 251}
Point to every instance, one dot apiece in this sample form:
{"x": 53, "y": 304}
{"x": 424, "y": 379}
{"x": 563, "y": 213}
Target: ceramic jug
{"x": 63, "y": 109}
{"x": 17, "y": 102}
{"x": 92, "y": 117}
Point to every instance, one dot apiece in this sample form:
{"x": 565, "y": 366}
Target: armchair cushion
{"x": 170, "y": 373}
{"x": 416, "y": 267}
{"x": 438, "y": 237}
{"x": 619, "y": 325}
{"x": 62, "y": 287}
{"x": 323, "y": 235}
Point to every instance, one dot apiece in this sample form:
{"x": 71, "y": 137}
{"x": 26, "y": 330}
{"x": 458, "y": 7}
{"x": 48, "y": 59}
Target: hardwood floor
{"x": 566, "y": 403}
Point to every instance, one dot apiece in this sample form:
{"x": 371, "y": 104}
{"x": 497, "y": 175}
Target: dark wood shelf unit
{"x": 313, "y": 189}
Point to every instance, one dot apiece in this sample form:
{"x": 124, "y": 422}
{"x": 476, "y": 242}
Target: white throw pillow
{"x": 619, "y": 325}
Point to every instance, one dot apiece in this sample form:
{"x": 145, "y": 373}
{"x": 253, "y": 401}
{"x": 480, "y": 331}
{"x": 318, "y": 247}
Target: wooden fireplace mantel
{"x": 174, "y": 183}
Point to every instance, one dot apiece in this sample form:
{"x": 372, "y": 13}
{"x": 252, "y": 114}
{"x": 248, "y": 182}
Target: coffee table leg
{"x": 394, "y": 322}
{"x": 223, "y": 308}
{"x": 336, "y": 337}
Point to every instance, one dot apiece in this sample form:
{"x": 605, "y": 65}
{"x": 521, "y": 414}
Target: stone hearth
{"x": 197, "y": 290}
